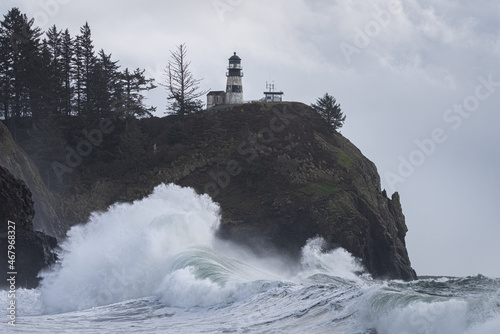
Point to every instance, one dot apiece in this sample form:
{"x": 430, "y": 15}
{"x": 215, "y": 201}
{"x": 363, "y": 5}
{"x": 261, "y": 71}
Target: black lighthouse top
{"x": 234, "y": 59}
{"x": 234, "y": 66}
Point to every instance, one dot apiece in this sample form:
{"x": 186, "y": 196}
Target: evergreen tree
{"x": 63, "y": 75}
{"x": 183, "y": 89}
{"x": 106, "y": 86}
{"x": 43, "y": 85}
{"x": 19, "y": 52}
{"x": 66, "y": 72}
{"x": 54, "y": 69}
{"x": 133, "y": 100}
{"x": 85, "y": 63}
{"x": 330, "y": 110}
{"x": 77, "y": 77}
{"x": 54, "y": 43}
{"x": 6, "y": 79}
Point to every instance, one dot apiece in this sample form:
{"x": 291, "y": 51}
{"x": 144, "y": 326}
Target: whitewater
{"x": 156, "y": 266}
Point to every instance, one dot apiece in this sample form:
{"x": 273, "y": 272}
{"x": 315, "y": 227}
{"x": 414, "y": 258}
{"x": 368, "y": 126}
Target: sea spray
{"x": 337, "y": 262}
{"x": 126, "y": 252}
{"x": 156, "y": 266}
{"x": 433, "y": 306}
{"x": 164, "y": 246}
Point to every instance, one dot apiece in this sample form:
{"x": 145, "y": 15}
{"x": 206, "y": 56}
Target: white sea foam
{"x": 442, "y": 306}
{"x": 491, "y": 326}
{"x": 421, "y": 317}
{"x": 127, "y": 252}
{"x": 159, "y": 257}
{"x": 164, "y": 246}
{"x": 338, "y": 262}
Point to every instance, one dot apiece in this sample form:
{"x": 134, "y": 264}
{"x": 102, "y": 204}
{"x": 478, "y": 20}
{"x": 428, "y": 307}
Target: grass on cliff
{"x": 303, "y": 154}
{"x": 320, "y": 190}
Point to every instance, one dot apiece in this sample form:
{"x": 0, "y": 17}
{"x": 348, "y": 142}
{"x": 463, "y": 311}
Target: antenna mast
{"x": 270, "y": 87}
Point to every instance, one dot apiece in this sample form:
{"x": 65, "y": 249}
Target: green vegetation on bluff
{"x": 280, "y": 173}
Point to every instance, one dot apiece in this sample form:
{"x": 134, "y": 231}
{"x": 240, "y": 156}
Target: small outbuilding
{"x": 215, "y": 98}
{"x": 271, "y": 95}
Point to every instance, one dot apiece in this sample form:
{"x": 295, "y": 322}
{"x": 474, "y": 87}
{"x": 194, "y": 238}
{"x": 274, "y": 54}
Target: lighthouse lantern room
{"x": 234, "y": 87}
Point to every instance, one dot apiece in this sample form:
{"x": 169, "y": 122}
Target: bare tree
{"x": 183, "y": 89}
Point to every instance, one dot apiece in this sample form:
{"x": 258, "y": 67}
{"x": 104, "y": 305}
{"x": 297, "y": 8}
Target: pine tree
{"x": 6, "y": 79}
{"x": 63, "y": 75}
{"x": 106, "y": 86}
{"x": 85, "y": 63}
{"x": 54, "y": 81}
{"x": 133, "y": 101}
{"x": 43, "y": 85}
{"x": 330, "y": 110}
{"x": 19, "y": 52}
{"x": 77, "y": 77}
{"x": 66, "y": 73}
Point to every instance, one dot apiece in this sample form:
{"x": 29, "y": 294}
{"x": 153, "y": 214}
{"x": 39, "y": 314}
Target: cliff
{"x": 22, "y": 167}
{"x": 33, "y": 250}
{"x": 279, "y": 172}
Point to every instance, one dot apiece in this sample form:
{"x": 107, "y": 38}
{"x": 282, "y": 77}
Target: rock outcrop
{"x": 279, "y": 172}
{"x": 33, "y": 250}
{"x": 22, "y": 167}
{"x": 290, "y": 178}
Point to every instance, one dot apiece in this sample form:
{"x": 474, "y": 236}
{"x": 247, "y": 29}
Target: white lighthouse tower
{"x": 234, "y": 87}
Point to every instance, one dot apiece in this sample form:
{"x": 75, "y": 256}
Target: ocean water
{"x": 155, "y": 266}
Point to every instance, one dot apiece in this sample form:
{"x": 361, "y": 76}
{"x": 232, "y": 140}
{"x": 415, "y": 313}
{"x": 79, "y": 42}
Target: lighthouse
{"x": 234, "y": 87}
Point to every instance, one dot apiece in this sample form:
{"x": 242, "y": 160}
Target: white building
{"x": 215, "y": 98}
{"x": 271, "y": 95}
{"x": 234, "y": 86}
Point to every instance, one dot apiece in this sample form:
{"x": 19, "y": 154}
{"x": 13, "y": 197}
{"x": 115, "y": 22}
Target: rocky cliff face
{"x": 21, "y": 166}
{"x": 278, "y": 171}
{"x": 33, "y": 250}
{"x": 282, "y": 176}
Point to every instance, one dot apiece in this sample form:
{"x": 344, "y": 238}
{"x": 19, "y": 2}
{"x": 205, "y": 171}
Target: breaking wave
{"x": 158, "y": 259}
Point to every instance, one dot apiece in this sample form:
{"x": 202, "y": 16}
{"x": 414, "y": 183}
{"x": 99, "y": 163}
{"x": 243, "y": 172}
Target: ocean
{"x": 155, "y": 266}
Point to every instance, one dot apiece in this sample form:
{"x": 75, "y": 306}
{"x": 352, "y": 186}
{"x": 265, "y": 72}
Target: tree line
{"x": 54, "y": 73}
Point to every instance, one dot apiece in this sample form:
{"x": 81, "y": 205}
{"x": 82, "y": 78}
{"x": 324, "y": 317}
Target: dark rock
{"x": 17, "y": 204}
{"x": 279, "y": 172}
{"x": 298, "y": 181}
{"x": 13, "y": 157}
{"x": 33, "y": 250}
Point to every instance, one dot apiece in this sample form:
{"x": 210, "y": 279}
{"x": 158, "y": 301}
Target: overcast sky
{"x": 419, "y": 82}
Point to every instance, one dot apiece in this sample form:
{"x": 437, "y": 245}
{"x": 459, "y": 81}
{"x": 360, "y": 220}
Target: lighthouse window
{"x": 236, "y": 89}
